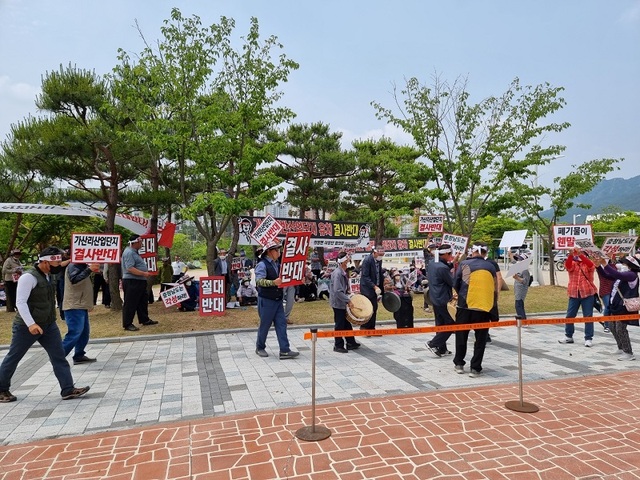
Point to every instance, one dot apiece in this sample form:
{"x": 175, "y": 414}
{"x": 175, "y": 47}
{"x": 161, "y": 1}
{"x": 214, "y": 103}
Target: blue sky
{"x": 351, "y": 52}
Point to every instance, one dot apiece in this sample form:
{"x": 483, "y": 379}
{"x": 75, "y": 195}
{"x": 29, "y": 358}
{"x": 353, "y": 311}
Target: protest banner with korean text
{"x": 622, "y": 245}
{"x": 458, "y": 242}
{"x": 354, "y": 284}
{"x": 267, "y": 231}
{"x": 95, "y": 248}
{"x": 174, "y": 295}
{"x": 589, "y": 248}
{"x": 149, "y": 252}
{"x": 212, "y": 296}
{"x": 564, "y": 236}
{"x": 293, "y": 262}
{"x": 430, "y": 223}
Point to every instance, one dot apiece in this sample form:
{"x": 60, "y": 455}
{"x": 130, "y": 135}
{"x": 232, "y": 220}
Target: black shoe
{"x": 149, "y": 322}
{"x": 488, "y": 338}
{"x": 353, "y": 346}
{"x": 434, "y": 350}
{"x": 289, "y": 354}
{"x": 75, "y": 393}
{"x": 83, "y": 359}
{"x": 131, "y": 328}
{"x": 340, "y": 349}
{"x": 261, "y": 352}
{"x": 6, "y": 397}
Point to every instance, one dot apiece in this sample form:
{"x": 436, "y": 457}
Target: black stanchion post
{"x": 520, "y": 405}
{"x": 313, "y": 433}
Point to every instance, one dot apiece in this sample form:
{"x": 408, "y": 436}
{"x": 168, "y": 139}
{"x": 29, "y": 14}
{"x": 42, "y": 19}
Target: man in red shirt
{"x": 580, "y": 290}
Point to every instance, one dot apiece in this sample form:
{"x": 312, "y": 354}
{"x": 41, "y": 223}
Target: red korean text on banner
{"x": 236, "y": 264}
{"x": 430, "y": 223}
{"x": 267, "y": 231}
{"x": 293, "y": 261}
{"x": 212, "y": 296}
{"x": 149, "y": 252}
{"x": 354, "y": 285}
{"x": 565, "y": 236}
{"x": 95, "y": 248}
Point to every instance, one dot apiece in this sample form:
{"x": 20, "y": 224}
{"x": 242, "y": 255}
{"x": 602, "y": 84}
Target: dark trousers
{"x": 404, "y": 315}
{"x": 99, "y": 283}
{"x": 371, "y": 324}
{"x": 10, "y": 288}
{"x": 442, "y": 317}
{"x": 465, "y": 316}
{"x": 341, "y": 323}
{"x": 135, "y": 301}
{"x": 50, "y": 340}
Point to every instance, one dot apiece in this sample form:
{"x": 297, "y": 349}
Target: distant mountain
{"x": 619, "y": 192}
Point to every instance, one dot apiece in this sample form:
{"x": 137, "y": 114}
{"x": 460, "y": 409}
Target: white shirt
{"x": 177, "y": 267}
{"x": 26, "y": 283}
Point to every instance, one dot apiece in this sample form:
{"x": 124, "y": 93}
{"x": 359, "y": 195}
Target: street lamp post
{"x": 576, "y": 215}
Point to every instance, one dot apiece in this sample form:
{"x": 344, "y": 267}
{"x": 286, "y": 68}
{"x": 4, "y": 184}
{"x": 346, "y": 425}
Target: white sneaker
{"x": 618, "y": 352}
{"x": 566, "y": 340}
{"x": 588, "y": 343}
{"x": 626, "y": 356}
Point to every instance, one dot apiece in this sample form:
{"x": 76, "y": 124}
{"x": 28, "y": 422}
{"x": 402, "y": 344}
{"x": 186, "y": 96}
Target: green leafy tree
{"x": 210, "y": 111}
{"x": 490, "y": 229}
{"x": 529, "y": 198}
{"x": 78, "y": 141}
{"x": 473, "y": 150}
{"x": 387, "y": 183}
{"x": 314, "y": 165}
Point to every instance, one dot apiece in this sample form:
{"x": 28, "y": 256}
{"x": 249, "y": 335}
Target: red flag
{"x": 166, "y": 236}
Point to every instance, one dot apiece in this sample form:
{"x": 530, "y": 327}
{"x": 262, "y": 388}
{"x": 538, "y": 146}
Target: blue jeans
{"x": 77, "y": 332}
{"x": 520, "y": 309}
{"x": 272, "y": 312}
{"x": 51, "y": 341}
{"x": 587, "y": 311}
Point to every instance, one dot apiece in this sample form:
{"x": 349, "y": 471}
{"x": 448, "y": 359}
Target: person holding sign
{"x": 270, "y": 308}
{"x": 581, "y": 290}
{"x": 625, "y": 277}
{"x": 521, "y": 282}
{"x": 78, "y": 300}
{"x": 134, "y": 284}
{"x": 340, "y": 299}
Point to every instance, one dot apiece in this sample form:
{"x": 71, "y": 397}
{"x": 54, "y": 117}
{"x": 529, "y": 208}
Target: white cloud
{"x": 389, "y": 131}
{"x": 631, "y": 14}
{"x": 17, "y": 90}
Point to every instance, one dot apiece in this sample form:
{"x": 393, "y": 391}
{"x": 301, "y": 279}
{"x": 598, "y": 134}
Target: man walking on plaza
{"x": 36, "y": 321}
{"x": 134, "y": 285}
{"x": 78, "y": 300}
{"x": 440, "y": 292}
{"x": 476, "y": 284}
{"x": 372, "y": 282}
{"x": 270, "y": 308}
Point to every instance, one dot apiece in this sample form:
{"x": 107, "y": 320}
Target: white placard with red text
{"x": 354, "y": 284}
{"x": 564, "y": 236}
{"x": 458, "y": 242}
{"x": 623, "y": 245}
{"x": 95, "y": 248}
{"x": 267, "y": 231}
{"x": 236, "y": 264}
{"x": 589, "y": 248}
{"x": 293, "y": 261}
{"x": 175, "y": 295}
{"x": 430, "y": 223}
{"x": 212, "y": 296}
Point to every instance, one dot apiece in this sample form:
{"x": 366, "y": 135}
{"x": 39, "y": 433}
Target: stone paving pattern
{"x": 205, "y": 406}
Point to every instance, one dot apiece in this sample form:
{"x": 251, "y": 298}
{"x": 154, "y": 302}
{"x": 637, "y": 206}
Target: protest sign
{"x": 212, "y": 296}
{"x": 622, "y": 245}
{"x": 267, "y": 231}
{"x": 519, "y": 267}
{"x": 564, "y": 236}
{"x": 149, "y": 252}
{"x": 173, "y": 296}
{"x": 95, "y": 248}
{"x": 589, "y": 248}
{"x": 354, "y": 284}
{"x": 294, "y": 258}
{"x": 458, "y": 243}
{"x": 430, "y": 223}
